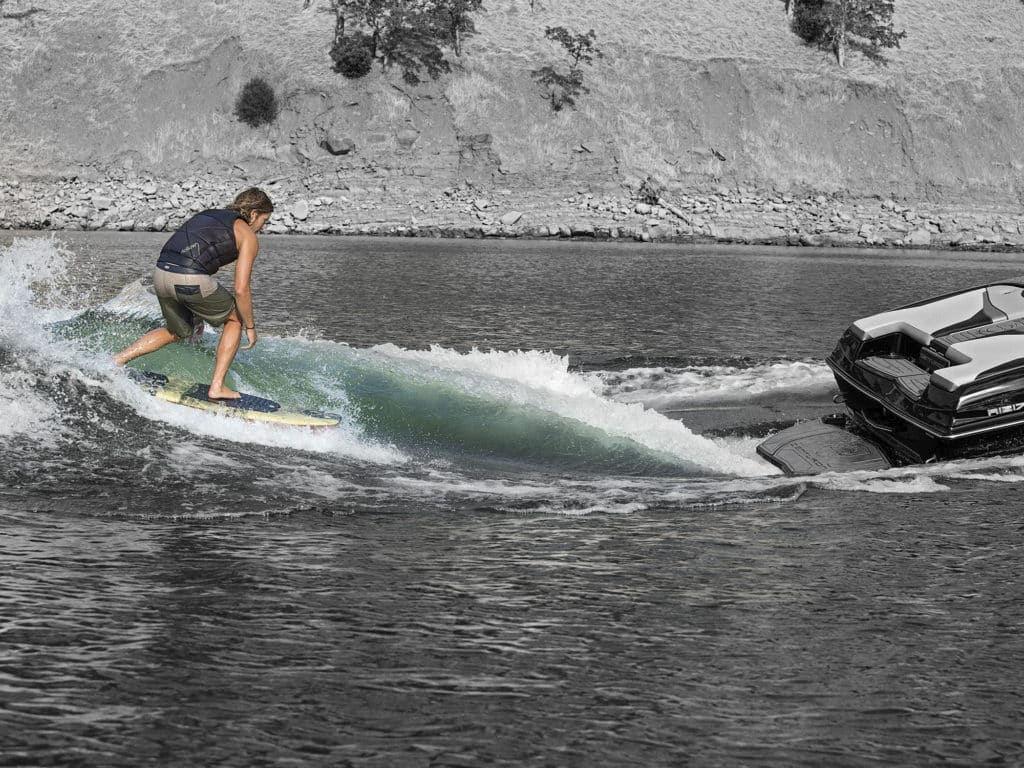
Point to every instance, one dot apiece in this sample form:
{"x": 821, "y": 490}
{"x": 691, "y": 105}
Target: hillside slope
{"x": 682, "y": 85}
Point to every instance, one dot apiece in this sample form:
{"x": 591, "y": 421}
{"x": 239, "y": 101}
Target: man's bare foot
{"x": 222, "y": 393}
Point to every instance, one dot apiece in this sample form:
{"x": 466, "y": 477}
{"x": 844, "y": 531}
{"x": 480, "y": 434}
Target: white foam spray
{"x": 35, "y": 292}
{"x": 664, "y": 388}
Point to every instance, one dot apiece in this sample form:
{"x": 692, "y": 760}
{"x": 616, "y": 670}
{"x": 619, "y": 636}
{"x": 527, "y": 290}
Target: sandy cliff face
{"x": 704, "y": 97}
{"x": 721, "y": 122}
{"x": 786, "y": 130}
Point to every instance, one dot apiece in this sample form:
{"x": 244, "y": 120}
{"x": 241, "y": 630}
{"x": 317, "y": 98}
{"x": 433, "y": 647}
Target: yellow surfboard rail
{"x": 251, "y": 408}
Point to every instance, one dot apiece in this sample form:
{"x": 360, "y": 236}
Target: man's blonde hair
{"x": 251, "y": 200}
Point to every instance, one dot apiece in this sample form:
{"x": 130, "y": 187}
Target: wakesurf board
{"x": 248, "y": 407}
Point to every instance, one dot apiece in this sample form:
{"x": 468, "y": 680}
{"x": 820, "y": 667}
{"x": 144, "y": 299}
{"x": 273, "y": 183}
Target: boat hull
{"x": 935, "y": 380}
{"x": 907, "y": 441}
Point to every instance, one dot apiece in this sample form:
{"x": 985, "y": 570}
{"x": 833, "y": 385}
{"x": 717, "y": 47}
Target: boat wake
{"x": 480, "y": 406}
{"x": 517, "y": 431}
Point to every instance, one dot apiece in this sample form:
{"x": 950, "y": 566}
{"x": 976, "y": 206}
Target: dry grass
{"x": 635, "y": 109}
{"x": 473, "y": 95}
{"x": 392, "y": 106}
{"x": 81, "y": 63}
{"x": 208, "y": 136}
{"x": 943, "y": 36}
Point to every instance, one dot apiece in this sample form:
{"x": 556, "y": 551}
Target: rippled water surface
{"x": 541, "y": 535}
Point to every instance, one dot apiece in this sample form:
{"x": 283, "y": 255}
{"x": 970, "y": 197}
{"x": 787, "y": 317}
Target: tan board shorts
{"x": 185, "y": 299}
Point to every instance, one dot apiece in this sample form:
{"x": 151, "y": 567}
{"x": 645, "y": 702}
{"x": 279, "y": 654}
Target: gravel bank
{"x": 119, "y": 201}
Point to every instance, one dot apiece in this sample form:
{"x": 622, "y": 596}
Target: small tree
{"x": 562, "y": 89}
{"x": 404, "y": 33}
{"x": 864, "y": 25}
{"x": 455, "y": 18}
{"x": 256, "y": 104}
{"x": 407, "y": 34}
{"x": 353, "y": 55}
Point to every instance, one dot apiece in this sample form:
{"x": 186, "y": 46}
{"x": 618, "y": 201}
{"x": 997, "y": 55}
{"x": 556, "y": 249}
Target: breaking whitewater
{"x": 507, "y": 430}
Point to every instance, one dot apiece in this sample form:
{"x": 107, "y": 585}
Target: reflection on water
{"x": 770, "y": 635}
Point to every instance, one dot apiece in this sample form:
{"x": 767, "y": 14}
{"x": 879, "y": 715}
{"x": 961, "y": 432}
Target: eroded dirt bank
{"x": 741, "y": 152}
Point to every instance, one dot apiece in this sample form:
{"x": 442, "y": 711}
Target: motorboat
{"x": 939, "y": 379}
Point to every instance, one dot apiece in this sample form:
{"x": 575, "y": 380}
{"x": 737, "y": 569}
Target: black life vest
{"x": 202, "y": 245}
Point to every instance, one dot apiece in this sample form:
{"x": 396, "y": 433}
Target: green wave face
{"x": 487, "y": 407}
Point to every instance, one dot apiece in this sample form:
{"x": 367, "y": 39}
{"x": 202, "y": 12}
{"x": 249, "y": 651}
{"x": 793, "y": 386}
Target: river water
{"x": 540, "y": 536}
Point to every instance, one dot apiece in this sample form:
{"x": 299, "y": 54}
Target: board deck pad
{"x": 249, "y": 407}
{"x": 250, "y": 402}
{"x": 813, "y": 447}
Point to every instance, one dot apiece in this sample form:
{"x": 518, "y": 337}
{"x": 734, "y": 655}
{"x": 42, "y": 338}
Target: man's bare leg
{"x": 151, "y": 342}
{"x": 230, "y": 338}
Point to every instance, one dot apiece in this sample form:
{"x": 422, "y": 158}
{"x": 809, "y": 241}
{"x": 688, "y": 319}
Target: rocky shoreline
{"x": 125, "y": 202}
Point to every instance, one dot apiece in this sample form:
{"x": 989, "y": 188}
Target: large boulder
{"x": 300, "y": 210}
{"x": 919, "y": 237}
{"x": 338, "y": 145}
